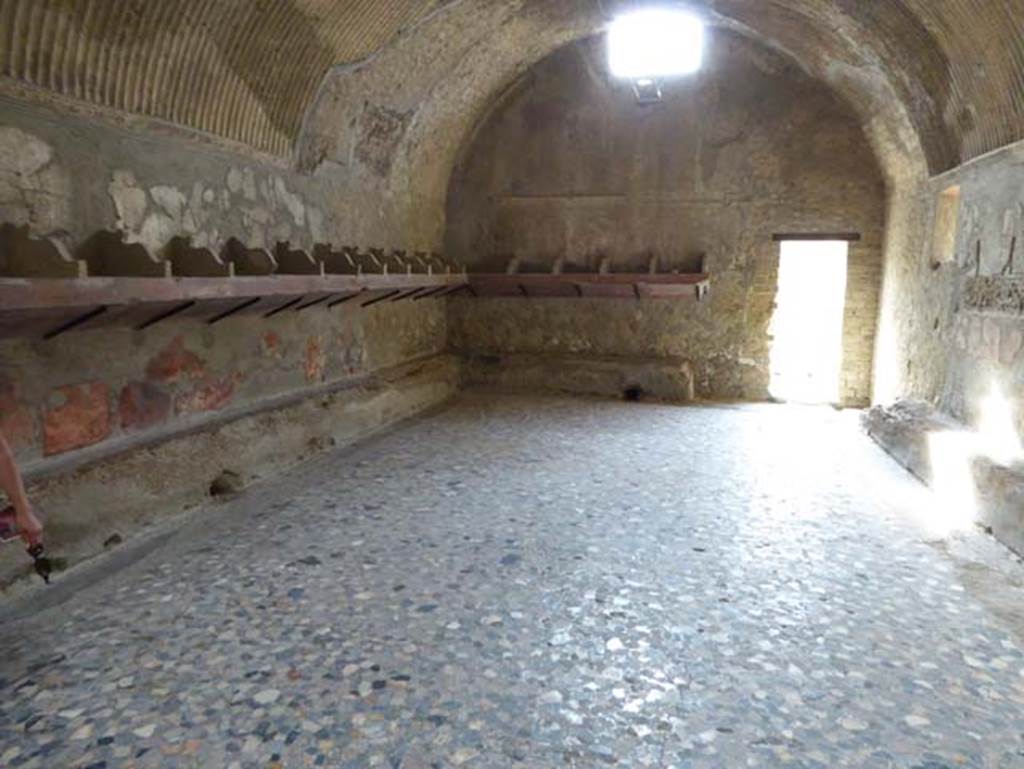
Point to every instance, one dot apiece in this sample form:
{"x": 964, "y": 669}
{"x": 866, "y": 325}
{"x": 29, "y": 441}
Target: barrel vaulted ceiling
{"x": 241, "y": 69}
{"x": 248, "y": 70}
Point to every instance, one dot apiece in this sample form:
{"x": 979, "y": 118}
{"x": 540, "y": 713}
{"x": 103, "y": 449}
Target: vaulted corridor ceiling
{"x": 244, "y": 70}
{"x": 249, "y": 70}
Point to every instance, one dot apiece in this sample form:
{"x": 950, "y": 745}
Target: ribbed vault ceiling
{"x": 247, "y": 70}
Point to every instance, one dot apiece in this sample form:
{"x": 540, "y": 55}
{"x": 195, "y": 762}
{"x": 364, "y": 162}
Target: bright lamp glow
{"x": 655, "y": 43}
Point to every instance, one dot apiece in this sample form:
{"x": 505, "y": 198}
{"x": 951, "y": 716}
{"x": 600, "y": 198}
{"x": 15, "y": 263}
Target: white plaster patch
{"x": 129, "y": 201}
{"x": 290, "y": 201}
{"x": 197, "y": 211}
{"x": 170, "y": 199}
{"x": 235, "y": 181}
{"x": 34, "y": 189}
{"x": 153, "y": 218}
{"x": 23, "y": 153}
{"x": 188, "y": 223}
{"x": 249, "y": 184}
{"x": 156, "y": 232}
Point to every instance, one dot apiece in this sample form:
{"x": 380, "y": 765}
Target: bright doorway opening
{"x": 807, "y": 328}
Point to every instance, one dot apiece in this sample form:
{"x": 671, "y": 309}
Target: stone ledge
{"x": 669, "y": 379}
{"x": 143, "y": 488}
{"x": 903, "y": 429}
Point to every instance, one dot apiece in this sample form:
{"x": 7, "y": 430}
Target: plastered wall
{"x": 119, "y": 385}
{"x": 953, "y": 307}
{"x": 118, "y": 429}
{"x": 78, "y": 174}
{"x": 570, "y": 166}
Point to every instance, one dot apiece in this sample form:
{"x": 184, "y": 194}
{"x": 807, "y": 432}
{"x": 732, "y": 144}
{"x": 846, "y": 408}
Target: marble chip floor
{"x": 544, "y": 582}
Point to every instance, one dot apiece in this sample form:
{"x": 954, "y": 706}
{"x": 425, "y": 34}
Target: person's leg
{"x": 11, "y": 483}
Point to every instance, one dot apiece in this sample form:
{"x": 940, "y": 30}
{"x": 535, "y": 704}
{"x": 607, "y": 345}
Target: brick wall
{"x": 953, "y": 325}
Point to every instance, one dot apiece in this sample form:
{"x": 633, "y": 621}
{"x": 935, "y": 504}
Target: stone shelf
{"x": 46, "y": 290}
{"x": 50, "y": 307}
{"x": 692, "y": 286}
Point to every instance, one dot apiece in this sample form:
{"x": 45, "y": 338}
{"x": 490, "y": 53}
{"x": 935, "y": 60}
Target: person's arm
{"x": 11, "y": 483}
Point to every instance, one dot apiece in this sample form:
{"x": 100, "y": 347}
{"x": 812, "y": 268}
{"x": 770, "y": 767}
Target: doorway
{"x": 807, "y": 328}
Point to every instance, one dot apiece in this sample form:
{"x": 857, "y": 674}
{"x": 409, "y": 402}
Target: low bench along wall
{"x": 997, "y": 498}
{"x": 669, "y": 379}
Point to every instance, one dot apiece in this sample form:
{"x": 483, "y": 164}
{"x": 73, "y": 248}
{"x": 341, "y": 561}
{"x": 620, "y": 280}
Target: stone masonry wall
{"x": 77, "y": 174}
{"x": 81, "y": 173}
{"x": 121, "y": 430}
{"x": 953, "y": 307}
{"x": 117, "y": 385}
{"x": 570, "y": 166}
{"x": 118, "y": 428}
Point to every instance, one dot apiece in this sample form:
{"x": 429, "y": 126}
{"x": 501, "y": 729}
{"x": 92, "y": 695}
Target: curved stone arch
{"x": 245, "y": 72}
{"x": 389, "y": 132}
